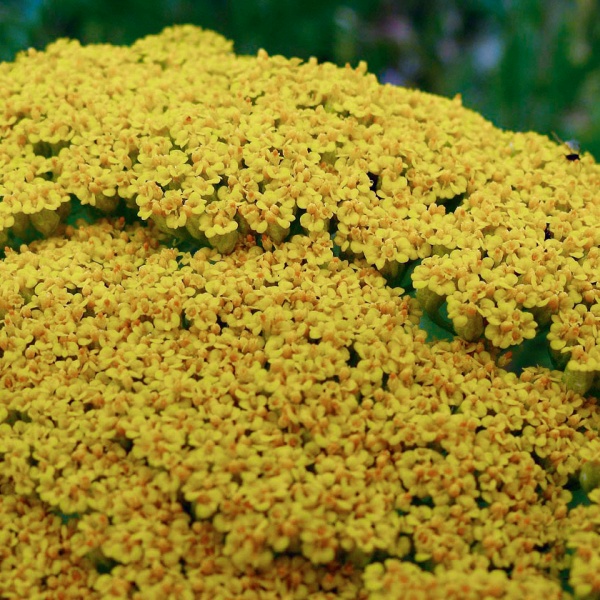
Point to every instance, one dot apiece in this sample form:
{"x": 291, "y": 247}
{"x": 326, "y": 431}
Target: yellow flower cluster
{"x": 263, "y": 417}
{"x": 583, "y": 542}
{"x": 267, "y": 423}
{"x": 502, "y": 228}
{"x": 396, "y": 580}
{"x": 577, "y": 332}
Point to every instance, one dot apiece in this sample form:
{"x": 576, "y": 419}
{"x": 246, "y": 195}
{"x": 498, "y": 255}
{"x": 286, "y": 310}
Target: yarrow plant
{"x": 217, "y": 385}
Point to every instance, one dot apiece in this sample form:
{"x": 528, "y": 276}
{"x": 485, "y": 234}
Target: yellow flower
{"x": 507, "y": 325}
{"x": 264, "y": 410}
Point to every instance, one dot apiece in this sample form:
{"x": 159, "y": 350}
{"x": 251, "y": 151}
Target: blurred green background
{"x": 524, "y": 64}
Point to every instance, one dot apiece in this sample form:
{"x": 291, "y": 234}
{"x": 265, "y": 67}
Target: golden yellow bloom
{"x": 262, "y": 411}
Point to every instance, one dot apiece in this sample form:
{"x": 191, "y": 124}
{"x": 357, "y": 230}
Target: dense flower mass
{"x": 222, "y": 389}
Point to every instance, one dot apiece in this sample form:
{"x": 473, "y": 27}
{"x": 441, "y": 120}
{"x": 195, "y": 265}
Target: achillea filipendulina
{"x": 260, "y": 414}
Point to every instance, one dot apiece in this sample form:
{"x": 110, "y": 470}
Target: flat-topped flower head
{"x": 219, "y": 383}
